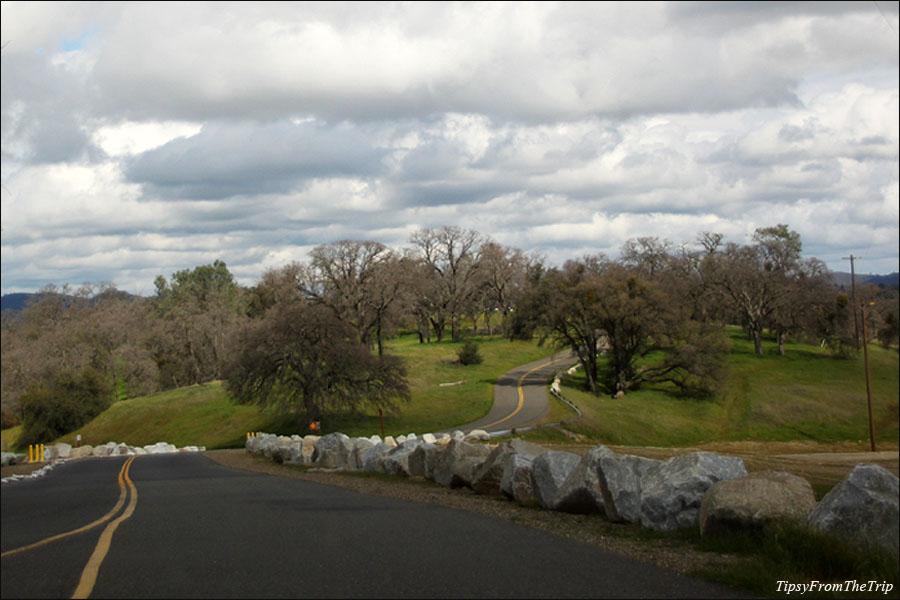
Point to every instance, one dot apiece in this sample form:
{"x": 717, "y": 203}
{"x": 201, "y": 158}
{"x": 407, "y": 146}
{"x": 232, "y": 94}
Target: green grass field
{"x": 806, "y": 395}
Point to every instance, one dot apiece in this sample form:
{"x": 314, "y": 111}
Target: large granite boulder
{"x": 82, "y": 451}
{"x": 396, "y": 461}
{"x": 862, "y": 509}
{"x": 257, "y": 444}
{"x": 104, "y": 449}
{"x": 423, "y": 459}
{"x": 360, "y": 446}
{"x": 619, "y": 478}
{"x": 372, "y": 458}
{"x": 487, "y": 478}
{"x": 159, "y": 448}
{"x": 12, "y": 458}
{"x": 580, "y": 492}
{"x": 753, "y": 501}
{"x": 333, "y": 451}
{"x": 285, "y": 451}
{"x": 458, "y": 462}
{"x": 671, "y": 491}
{"x": 57, "y": 451}
{"x": 518, "y": 479}
{"x": 549, "y": 470}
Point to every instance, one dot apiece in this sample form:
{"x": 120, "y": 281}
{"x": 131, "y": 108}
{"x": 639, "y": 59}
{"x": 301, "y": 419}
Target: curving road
{"x": 520, "y": 396}
{"x": 181, "y": 526}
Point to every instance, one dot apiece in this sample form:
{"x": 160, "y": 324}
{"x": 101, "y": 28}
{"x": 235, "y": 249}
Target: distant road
{"x": 520, "y": 396}
{"x": 201, "y": 530}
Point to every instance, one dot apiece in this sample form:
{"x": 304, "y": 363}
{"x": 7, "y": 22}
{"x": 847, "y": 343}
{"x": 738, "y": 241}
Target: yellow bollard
{"x": 42, "y": 453}
{"x": 30, "y": 453}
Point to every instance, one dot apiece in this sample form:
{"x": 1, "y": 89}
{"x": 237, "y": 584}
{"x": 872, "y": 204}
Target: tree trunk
{"x": 756, "y": 336}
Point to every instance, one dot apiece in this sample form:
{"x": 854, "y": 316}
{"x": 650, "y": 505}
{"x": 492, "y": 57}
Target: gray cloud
{"x": 226, "y": 160}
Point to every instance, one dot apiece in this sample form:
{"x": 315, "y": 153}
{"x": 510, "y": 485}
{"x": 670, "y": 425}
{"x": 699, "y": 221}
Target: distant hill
{"x": 843, "y": 279}
{"x": 15, "y": 302}
{"x": 892, "y": 280}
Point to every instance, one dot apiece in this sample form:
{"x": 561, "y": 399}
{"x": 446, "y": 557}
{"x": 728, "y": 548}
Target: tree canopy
{"x": 301, "y": 357}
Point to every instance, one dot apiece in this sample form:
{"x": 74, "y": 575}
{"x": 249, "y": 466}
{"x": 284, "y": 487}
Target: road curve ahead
{"x": 201, "y": 530}
{"x": 520, "y": 396}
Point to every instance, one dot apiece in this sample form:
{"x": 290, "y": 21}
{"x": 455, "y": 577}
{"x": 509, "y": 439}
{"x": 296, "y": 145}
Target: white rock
{"x": 82, "y": 451}
{"x": 477, "y": 435}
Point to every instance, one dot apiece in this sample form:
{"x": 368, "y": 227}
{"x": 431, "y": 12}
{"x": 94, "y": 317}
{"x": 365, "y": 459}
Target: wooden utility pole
{"x": 868, "y": 380}
{"x": 853, "y": 296}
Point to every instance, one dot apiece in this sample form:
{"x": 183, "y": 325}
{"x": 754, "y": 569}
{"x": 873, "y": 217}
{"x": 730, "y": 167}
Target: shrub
{"x": 468, "y": 354}
{"x": 65, "y": 403}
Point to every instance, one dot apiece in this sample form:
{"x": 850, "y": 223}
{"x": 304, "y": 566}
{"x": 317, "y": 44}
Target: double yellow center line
{"x": 89, "y": 574}
{"x": 522, "y": 391}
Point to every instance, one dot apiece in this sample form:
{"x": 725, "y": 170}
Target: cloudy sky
{"x": 141, "y": 139}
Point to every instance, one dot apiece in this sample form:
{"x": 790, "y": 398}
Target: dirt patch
{"x": 24, "y": 469}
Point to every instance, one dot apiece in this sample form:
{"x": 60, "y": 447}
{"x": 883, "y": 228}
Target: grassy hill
{"x": 806, "y": 395}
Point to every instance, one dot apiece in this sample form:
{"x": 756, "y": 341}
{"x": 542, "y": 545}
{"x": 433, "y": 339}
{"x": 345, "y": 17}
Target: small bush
{"x": 468, "y": 354}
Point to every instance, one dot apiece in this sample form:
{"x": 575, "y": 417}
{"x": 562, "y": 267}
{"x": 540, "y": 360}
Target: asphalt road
{"x": 520, "y": 396}
{"x": 201, "y": 530}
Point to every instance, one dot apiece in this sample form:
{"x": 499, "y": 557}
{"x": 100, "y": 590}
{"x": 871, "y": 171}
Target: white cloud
{"x": 130, "y": 138}
{"x": 138, "y": 141}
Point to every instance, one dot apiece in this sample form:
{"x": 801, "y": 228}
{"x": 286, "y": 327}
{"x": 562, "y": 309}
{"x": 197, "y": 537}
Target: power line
{"x": 884, "y": 16}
